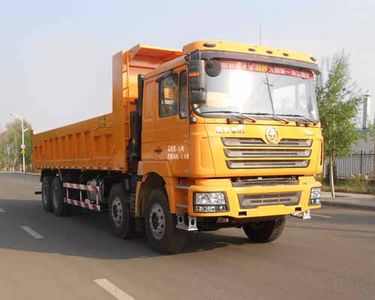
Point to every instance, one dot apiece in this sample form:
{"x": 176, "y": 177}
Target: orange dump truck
{"x": 217, "y": 135}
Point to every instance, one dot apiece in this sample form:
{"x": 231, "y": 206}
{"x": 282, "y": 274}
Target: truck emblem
{"x": 272, "y": 135}
{"x": 227, "y": 130}
{"x": 309, "y": 132}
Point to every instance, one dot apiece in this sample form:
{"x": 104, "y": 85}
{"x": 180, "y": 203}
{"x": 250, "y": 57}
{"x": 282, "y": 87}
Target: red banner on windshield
{"x": 256, "y": 67}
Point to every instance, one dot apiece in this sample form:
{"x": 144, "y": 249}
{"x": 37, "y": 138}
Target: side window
{"x": 168, "y": 96}
{"x": 183, "y": 95}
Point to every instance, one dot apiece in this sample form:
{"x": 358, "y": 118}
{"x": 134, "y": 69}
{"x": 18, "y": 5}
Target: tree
{"x": 3, "y": 156}
{"x": 338, "y": 100}
{"x": 10, "y": 145}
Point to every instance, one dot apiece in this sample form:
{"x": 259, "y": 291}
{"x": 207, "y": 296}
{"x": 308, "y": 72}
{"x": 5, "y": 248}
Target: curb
{"x": 348, "y": 205}
{"x": 20, "y": 173}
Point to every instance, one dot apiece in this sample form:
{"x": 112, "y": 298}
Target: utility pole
{"x": 23, "y": 146}
{"x": 365, "y": 112}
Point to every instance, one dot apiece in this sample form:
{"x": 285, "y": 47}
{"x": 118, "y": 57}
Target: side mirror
{"x": 197, "y": 81}
{"x": 213, "y": 68}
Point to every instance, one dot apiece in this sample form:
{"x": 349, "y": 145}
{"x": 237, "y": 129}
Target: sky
{"x": 55, "y": 56}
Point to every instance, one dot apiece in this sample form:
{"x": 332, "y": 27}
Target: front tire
{"x": 47, "y": 193}
{"x": 59, "y": 207}
{"x": 160, "y": 224}
{"x": 265, "y": 231}
{"x": 120, "y": 216}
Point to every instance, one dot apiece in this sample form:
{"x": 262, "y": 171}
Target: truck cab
{"x": 233, "y": 131}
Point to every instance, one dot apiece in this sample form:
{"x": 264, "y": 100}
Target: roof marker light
{"x": 209, "y": 45}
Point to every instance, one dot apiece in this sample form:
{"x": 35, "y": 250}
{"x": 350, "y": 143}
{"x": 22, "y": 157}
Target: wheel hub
{"x": 157, "y": 221}
{"x": 116, "y": 210}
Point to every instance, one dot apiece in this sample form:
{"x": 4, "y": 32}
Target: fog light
{"x": 315, "y": 196}
{"x": 210, "y": 202}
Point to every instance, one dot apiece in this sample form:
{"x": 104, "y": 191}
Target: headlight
{"x": 315, "y": 196}
{"x": 210, "y": 198}
{"x": 210, "y": 202}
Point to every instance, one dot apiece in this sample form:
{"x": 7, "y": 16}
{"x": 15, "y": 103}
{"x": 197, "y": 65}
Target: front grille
{"x": 253, "y": 142}
{"x": 295, "y": 142}
{"x": 234, "y": 153}
{"x": 237, "y": 142}
{"x": 266, "y": 164}
{"x": 254, "y": 181}
{"x": 252, "y": 201}
{"x": 255, "y": 153}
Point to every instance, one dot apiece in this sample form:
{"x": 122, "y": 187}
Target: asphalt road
{"x": 42, "y": 256}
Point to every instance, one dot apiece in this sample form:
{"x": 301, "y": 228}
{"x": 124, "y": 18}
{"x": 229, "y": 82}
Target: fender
{"x": 154, "y": 174}
{"x": 160, "y": 167}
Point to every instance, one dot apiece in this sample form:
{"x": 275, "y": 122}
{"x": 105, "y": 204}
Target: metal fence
{"x": 355, "y": 164}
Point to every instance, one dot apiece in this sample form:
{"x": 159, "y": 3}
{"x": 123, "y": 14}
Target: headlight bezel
{"x": 315, "y": 195}
{"x": 210, "y": 207}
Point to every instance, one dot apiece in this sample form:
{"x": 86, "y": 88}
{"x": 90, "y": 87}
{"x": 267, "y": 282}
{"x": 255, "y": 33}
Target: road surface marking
{"x": 321, "y": 216}
{"x": 32, "y": 232}
{"x": 2, "y": 210}
{"x": 113, "y": 290}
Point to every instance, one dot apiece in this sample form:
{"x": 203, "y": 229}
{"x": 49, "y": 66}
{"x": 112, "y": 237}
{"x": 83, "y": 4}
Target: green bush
{"x": 356, "y": 184}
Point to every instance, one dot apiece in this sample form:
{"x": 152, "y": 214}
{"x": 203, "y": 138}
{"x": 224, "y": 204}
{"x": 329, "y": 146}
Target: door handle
{"x": 158, "y": 150}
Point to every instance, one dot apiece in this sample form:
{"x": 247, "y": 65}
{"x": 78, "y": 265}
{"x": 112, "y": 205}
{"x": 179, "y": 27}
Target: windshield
{"x": 260, "y": 89}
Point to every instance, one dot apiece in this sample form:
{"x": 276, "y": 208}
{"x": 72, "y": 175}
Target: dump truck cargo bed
{"x": 100, "y": 143}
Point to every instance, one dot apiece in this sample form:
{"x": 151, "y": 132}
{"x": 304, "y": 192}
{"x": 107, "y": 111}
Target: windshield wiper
{"x": 268, "y": 84}
{"x": 235, "y": 114}
{"x": 246, "y": 117}
{"x": 277, "y": 118}
{"x": 306, "y": 119}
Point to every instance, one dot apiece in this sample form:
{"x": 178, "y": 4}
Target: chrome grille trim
{"x": 264, "y": 164}
{"x": 296, "y": 142}
{"x": 266, "y": 153}
{"x": 254, "y": 181}
{"x": 256, "y": 142}
{"x": 235, "y": 142}
{"x": 254, "y": 200}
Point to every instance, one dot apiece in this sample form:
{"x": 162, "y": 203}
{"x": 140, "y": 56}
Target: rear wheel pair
{"x": 120, "y": 215}
{"x": 53, "y": 196}
{"x": 159, "y": 223}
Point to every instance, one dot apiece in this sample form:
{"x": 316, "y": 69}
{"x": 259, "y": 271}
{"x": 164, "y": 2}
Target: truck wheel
{"x": 59, "y": 207}
{"x": 160, "y": 224}
{"x": 47, "y": 193}
{"x": 264, "y": 231}
{"x": 120, "y": 216}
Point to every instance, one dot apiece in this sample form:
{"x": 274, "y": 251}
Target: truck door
{"x": 170, "y": 139}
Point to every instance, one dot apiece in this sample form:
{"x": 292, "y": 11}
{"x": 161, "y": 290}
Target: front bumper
{"x": 303, "y": 188}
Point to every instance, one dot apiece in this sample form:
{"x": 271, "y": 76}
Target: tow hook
{"x": 182, "y": 218}
{"x": 304, "y": 216}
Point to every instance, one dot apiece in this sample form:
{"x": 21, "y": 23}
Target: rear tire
{"x": 265, "y": 231}
{"x": 160, "y": 224}
{"x": 47, "y": 193}
{"x": 59, "y": 207}
{"x": 120, "y": 216}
